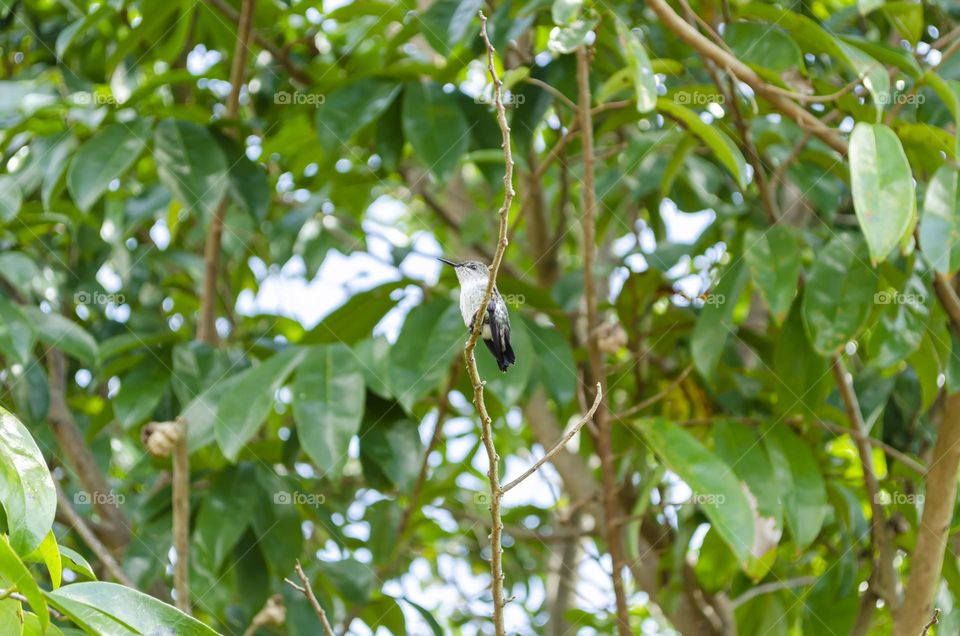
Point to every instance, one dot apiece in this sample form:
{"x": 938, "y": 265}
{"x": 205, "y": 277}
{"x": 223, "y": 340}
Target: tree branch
{"x": 307, "y": 591}
{"x": 886, "y": 581}
{"x": 559, "y": 445}
{"x": 496, "y": 494}
{"x": 79, "y": 525}
{"x": 605, "y": 445}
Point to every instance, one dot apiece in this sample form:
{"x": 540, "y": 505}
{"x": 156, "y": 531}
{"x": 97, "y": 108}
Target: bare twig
{"x": 496, "y": 494}
{"x": 886, "y": 582}
{"x": 653, "y": 399}
{"x": 307, "y": 591}
{"x": 272, "y": 613}
{"x": 559, "y": 445}
{"x": 103, "y": 554}
{"x": 605, "y": 445}
{"x": 934, "y": 620}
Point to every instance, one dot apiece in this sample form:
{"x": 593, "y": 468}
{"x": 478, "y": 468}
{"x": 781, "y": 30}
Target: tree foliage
{"x": 777, "y": 213}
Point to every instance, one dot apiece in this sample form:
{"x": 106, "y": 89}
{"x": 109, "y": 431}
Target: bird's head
{"x": 468, "y": 271}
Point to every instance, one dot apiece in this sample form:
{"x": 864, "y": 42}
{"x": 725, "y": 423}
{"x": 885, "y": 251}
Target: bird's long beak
{"x": 451, "y": 263}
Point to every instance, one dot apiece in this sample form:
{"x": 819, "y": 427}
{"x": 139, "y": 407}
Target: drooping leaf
{"x": 800, "y": 482}
{"x": 61, "y": 333}
{"x": 644, "y": 81}
{"x": 764, "y": 45}
{"x": 16, "y": 576}
{"x": 446, "y": 23}
{"x": 140, "y": 392}
{"x": 26, "y": 488}
{"x": 245, "y": 404}
{"x": 713, "y": 482}
{"x": 11, "y": 198}
{"x": 801, "y": 376}
{"x": 940, "y": 221}
{"x": 719, "y": 143}
{"x": 882, "y": 185}
{"x": 715, "y": 322}
{"x": 104, "y": 158}
{"x": 839, "y": 294}
{"x": 351, "y": 108}
{"x": 329, "y": 394}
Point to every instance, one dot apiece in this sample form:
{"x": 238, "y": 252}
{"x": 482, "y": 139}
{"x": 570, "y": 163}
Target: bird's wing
{"x": 495, "y": 343}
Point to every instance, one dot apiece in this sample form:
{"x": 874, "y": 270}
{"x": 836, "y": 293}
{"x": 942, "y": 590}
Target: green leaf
{"x": 882, "y": 186}
{"x": 140, "y": 392}
{"x": 16, "y": 575}
{"x": 351, "y": 108}
{"x": 61, "y": 333}
{"x": 329, "y": 395}
{"x": 713, "y": 483}
{"x": 773, "y": 258}
{"x": 902, "y": 323}
{"x": 839, "y": 294}
{"x": 427, "y": 616}
{"x": 801, "y": 484}
{"x": 20, "y": 270}
{"x": 447, "y": 22}
{"x": 763, "y": 45}
{"x": 739, "y": 446}
{"x": 715, "y": 322}
{"x": 391, "y": 450}
{"x": 191, "y": 164}
{"x": 940, "y": 221}
{"x": 801, "y": 375}
{"x": 230, "y": 497}
{"x": 75, "y": 561}
{"x": 553, "y": 365}
{"x": 644, "y": 81}
{"x": 246, "y": 403}
{"x": 355, "y": 319}
{"x": 722, "y": 146}
{"x": 431, "y": 336}
{"x": 109, "y": 606}
{"x": 104, "y": 158}
{"x": 26, "y": 488}
{"x": 435, "y": 126}
{"x": 17, "y": 337}
{"x": 50, "y": 553}
{"x": 11, "y": 199}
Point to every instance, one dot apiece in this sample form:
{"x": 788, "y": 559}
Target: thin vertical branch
{"x": 307, "y": 590}
{"x": 886, "y": 581}
{"x": 604, "y": 445}
{"x": 493, "y": 460}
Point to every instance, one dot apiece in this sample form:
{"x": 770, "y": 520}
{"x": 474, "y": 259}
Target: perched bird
{"x": 473, "y": 277}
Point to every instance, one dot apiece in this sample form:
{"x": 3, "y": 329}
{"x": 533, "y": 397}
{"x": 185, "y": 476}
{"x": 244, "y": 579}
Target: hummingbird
{"x": 473, "y": 277}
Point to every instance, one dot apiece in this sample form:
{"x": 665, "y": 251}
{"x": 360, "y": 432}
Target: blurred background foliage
{"x": 366, "y": 144}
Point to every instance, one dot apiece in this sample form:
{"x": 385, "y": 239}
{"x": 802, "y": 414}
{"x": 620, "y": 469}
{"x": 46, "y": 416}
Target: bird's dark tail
{"x": 504, "y": 358}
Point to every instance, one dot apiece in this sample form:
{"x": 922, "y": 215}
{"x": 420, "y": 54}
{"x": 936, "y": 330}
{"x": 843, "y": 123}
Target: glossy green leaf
{"x": 391, "y": 451}
{"x": 882, "y": 185}
{"x": 16, "y": 575}
{"x": 329, "y": 396}
{"x": 800, "y": 482}
{"x": 563, "y": 11}
{"x": 715, "y": 323}
{"x": 246, "y": 403}
{"x": 446, "y": 23}
{"x": 802, "y": 377}
{"x": 74, "y": 561}
{"x": 763, "y": 45}
{"x": 435, "y": 126}
{"x": 26, "y": 488}
{"x": 901, "y": 325}
{"x": 940, "y": 221}
{"x": 714, "y": 483}
{"x": 120, "y": 610}
{"x": 773, "y": 258}
{"x": 839, "y": 294}
{"x": 719, "y": 143}
{"x": 50, "y": 553}
{"x": 567, "y": 39}
{"x": 352, "y": 579}
{"x": 104, "y": 158}
{"x": 17, "y": 337}
{"x": 644, "y": 81}
{"x": 191, "y": 164}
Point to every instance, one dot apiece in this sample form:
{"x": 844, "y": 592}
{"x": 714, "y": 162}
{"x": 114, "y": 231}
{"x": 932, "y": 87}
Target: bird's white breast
{"x": 471, "y": 295}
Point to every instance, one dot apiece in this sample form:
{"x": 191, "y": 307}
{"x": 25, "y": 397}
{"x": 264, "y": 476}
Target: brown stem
{"x": 939, "y": 497}
{"x": 496, "y": 494}
{"x": 116, "y": 531}
{"x": 80, "y": 526}
{"x": 605, "y": 445}
{"x": 307, "y": 591}
{"x": 886, "y": 581}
